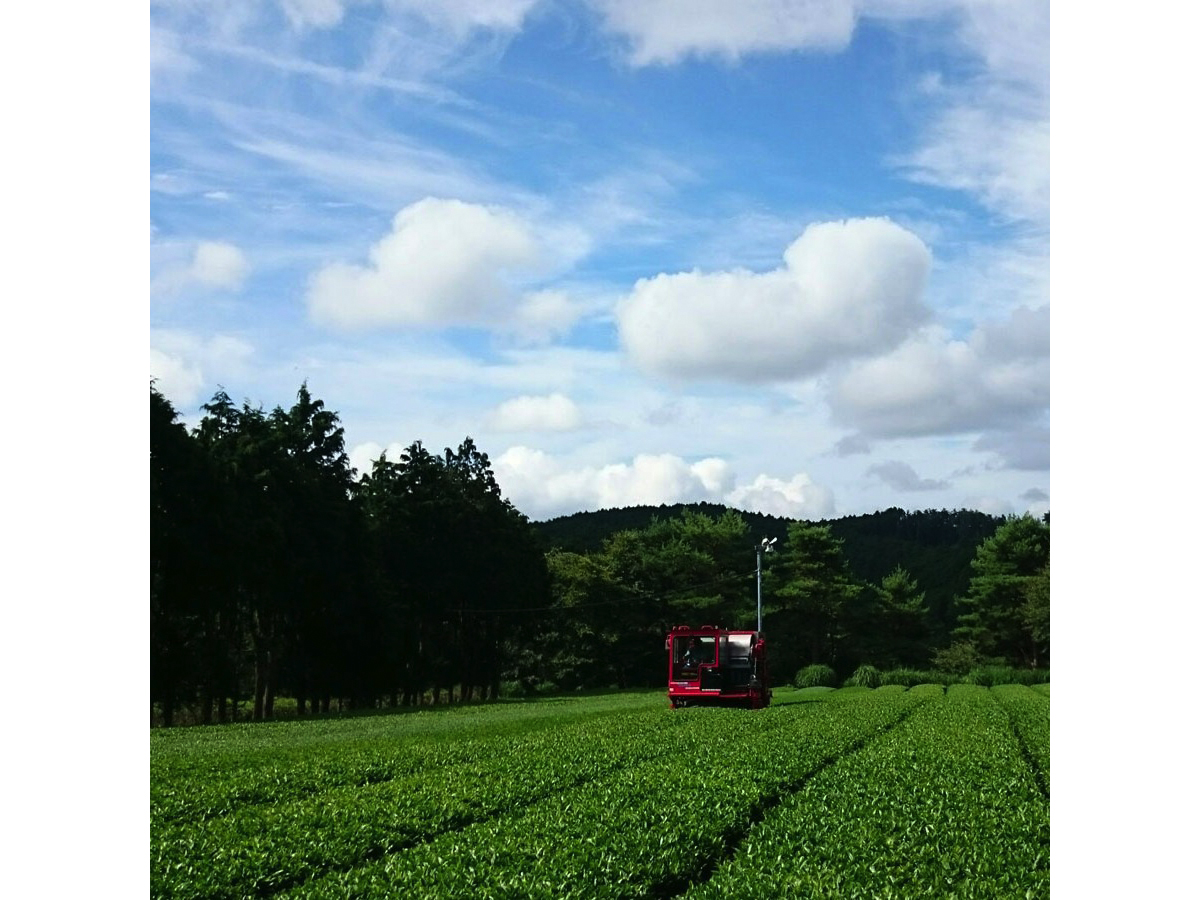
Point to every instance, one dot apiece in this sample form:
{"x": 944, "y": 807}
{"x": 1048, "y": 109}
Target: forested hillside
{"x": 277, "y": 571}
{"x": 934, "y": 546}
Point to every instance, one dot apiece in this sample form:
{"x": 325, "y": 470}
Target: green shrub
{"x": 815, "y": 676}
{"x": 511, "y": 690}
{"x": 864, "y": 676}
{"x": 958, "y": 659}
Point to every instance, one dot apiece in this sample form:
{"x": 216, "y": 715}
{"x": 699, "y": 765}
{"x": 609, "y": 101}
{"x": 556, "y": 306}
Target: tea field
{"x": 887, "y": 793}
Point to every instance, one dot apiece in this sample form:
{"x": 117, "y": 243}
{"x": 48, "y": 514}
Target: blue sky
{"x": 788, "y": 256}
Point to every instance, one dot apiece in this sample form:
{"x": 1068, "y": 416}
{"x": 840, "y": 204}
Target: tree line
{"x": 277, "y": 570}
{"x": 273, "y": 570}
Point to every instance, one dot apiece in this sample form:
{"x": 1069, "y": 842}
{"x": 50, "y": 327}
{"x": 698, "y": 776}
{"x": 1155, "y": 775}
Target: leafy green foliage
{"x": 943, "y": 805}
{"x": 272, "y": 570}
{"x": 886, "y": 792}
{"x": 1005, "y": 613}
{"x": 958, "y": 659}
{"x": 913, "y": 677}
{"x": 275, "y": 574}
{"x": 865, "y": 676}
{"x": 935, "y": 547}
{"x": 989, "y": 676}
{"x": 1028, "y": 709}
{"x": 811, "y": 594}
{"x": 816, "y": 676}
{"x": 900, "y": 632}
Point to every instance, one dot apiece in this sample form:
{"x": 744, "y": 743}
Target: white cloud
{"x": 1012, "y": 37}
{"x": 462, "y": 16}
{"x": 177, "y": 379}
{"x": 444, "y": 262}
{"x": 543, "y": 486}
{"x": 214, "y": 264}
{"x": 796, "y": 498}
{"x": 167, "y": 55}
{"x": 544, "y": 315}
{"x": 219, "y": 264}
{"x": 991, "y": 136}
{"x": 184, "y": 364}
{"x": 667, "y": 31}
{"x": 317, "y": 13}
{"x": 363, "y": 455}
{"x": 933, "y": 385}
{"x": 1002, "y": 158}
{"x": 847, "y": 289}
{"x": 553, "y": 412}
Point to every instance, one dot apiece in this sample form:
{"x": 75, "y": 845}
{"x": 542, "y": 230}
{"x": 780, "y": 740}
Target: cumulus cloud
{"x": 796, "y": 498}
{"x": 998, "y": 378}
{"x": 219, "y": 264}
{"x": 214, "y": 264}
{"x": 176, "y": 378}
{"x": 544, "y": 315}
{"x": 445, "y": 262}
{"x": 543, "y": 487}
{"x": 183, "y": 364}
{"x": 553, "y": 412}
{"x": 670, "y": 30}
{"x": 362, "y": 456}
{"x": 846, "y": 289}
{"x": 900, "y": 476}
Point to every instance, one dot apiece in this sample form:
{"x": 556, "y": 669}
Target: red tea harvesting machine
{"x": 713, "y": 666}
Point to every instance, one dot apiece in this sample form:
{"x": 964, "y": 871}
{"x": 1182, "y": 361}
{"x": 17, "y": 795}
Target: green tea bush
{"x": 945, "y": 804}
{"x": 913, "y": 677}
{"x": 864, "y": 676}
{"x": 815, "y": 676}
{"x": 989, "y": 676}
